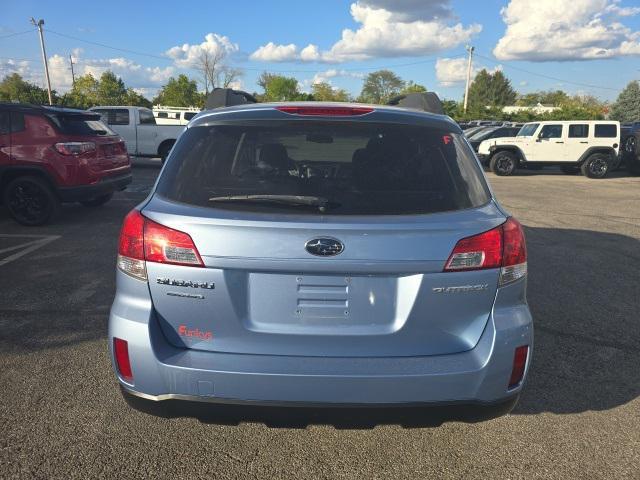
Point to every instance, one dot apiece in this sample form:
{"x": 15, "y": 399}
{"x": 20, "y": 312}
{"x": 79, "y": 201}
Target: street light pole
{"x": 470, "y": 49}
{"x": 39, "y": 24}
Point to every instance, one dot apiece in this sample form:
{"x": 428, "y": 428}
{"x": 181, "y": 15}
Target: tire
{"x": 164, "y": 150}
{"x": 503, "y": 163}
{"x": 31, "y": 201}
{"x": 97, "y": 201}
{"x": 596, "y": 165}
{"x": 570, "y": 169}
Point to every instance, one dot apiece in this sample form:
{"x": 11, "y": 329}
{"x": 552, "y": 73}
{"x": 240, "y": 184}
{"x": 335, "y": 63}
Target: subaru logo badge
{"x": 324, "y": 247}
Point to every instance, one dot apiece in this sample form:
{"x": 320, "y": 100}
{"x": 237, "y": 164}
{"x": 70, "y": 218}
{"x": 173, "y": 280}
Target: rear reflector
{"x": 325, "y": 111}
{"x": 519, "y": 365}
{"x": 121, "y": 354}
{"x": 143, "y": 240}
{"x": 502, "y": 247}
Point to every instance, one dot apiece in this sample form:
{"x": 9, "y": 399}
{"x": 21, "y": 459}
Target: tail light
{"x": 121, "y": 354}
{"x": 519, "y": 365}
{"x": 325, "y": 111}
{"x": 74, "y": 148}
{"x": 502, "y": 247}
{"x": 142, "y": 240}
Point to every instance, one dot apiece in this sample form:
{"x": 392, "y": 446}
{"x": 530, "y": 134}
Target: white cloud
{"x": 326, "y": 76}
{"x": 559, "y": 30}
{"x": 453, "y": 71}
{"x": 187, "y": 55}
{"x": 387, "y": 29}
{"x": 275, "y": 53}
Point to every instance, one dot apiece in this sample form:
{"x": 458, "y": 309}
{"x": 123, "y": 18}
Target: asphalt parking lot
{"x": 62, "y": 416}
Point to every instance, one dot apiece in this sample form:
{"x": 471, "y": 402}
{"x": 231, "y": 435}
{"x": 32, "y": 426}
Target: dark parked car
{"x": 492, "y": 132}
{"x": 50, "y": 155}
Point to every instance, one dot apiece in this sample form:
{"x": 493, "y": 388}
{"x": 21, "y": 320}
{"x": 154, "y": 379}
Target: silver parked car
{"x": 308, "y": 253}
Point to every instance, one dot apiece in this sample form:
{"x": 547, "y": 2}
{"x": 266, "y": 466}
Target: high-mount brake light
{"x": 143, "y": 240}
{"x": 502, "y": 247}
{"x": 325, "y": 111}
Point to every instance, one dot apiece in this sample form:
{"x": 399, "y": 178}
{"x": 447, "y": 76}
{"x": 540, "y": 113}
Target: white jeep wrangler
{"x": 587, "y": 146}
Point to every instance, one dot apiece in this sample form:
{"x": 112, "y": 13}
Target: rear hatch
{"x": 323, "y": 239}
{"x": 110, "y": 153}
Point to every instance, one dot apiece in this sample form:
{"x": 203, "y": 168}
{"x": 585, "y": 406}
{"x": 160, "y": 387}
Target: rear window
{"x": 579, "y": 131}
{"x": 80, "y": 125}
{"x": 115, "y": 116}
{"x": 355, "y": 168}
{"x": 606, "y": 131}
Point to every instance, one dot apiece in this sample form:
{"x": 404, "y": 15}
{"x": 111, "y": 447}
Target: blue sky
{"x": 587, "y": 46}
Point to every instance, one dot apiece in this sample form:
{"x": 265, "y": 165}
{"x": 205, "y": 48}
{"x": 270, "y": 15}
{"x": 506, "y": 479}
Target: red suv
{"x": 50, "y": 155}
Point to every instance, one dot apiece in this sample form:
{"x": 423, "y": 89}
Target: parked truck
{"x": 138, "y": 127}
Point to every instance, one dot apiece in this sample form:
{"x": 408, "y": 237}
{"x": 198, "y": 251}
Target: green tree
{"x": 13, "y": 88}
{"x": 556, "y": 98}
{"x": 278, "y": 88}
{"x": 136, "y": 99}
{"x": 411, "y": 87}
{"x": 111, "y": 90}
{"x": 491, "y": 90}
{"x": 84, "y": 93}
{"x": 324, "y": 92}
{"x": 380, "y": 86}
{"x": 627, "y": 106}
{"x": 180, "y": 92}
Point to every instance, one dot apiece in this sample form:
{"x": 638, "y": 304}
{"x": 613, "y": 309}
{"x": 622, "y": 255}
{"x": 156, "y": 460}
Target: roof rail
{"x": 226, "y": 97}
{"x": 425, "y": 101}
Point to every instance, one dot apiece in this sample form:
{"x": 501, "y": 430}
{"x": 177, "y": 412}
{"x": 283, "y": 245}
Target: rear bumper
{"x": 102, "y": 187}
{"x": 163, "y": 372}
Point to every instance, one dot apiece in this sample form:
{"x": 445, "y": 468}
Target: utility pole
{"x": 39, "y": 24}
{"x": 73, "y": 77}
{"x": 470, "y": 49}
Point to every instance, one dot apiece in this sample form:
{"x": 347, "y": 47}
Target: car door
{"x": 549, "y": 144}
{"x": 577, "y": 141}
{"x": 147, "y": 132}
{"x": 5, "y": 138}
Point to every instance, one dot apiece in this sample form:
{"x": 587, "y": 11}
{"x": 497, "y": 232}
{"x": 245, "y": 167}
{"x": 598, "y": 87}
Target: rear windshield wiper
{"x": 296, "y": 200}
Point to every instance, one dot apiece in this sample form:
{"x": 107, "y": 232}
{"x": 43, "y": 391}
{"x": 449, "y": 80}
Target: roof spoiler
{"x": 425, "y": 101}
{"x": 227, "y": 97}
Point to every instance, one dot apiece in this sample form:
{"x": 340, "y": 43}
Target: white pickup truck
{"x": 137, "y": 126}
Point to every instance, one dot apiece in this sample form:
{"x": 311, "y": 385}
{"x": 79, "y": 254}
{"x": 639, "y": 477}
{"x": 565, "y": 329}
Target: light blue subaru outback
{"x": 321, "y": 253}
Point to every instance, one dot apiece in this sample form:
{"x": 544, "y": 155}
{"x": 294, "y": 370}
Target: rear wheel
{"x": 164, "y": 150}
{"x": 596, "y": 166}
{"x": 31, "y": 201}
{"x": 503, "y": 163}
{"x": 97, "y": 201}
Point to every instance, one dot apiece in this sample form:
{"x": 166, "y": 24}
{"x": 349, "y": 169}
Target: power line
{"x": 15, "y": 34}
{"x": 549, "y": 77}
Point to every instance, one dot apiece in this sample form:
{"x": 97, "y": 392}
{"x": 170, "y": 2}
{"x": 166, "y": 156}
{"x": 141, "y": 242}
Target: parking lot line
{"x": 35, "y": 242}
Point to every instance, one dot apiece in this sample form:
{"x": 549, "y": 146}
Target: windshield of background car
{"x": 359, "y": 168}
{"x": 81, "y": 125}
{"x": 485, "y": 133}
{"x": 528, "y": 130}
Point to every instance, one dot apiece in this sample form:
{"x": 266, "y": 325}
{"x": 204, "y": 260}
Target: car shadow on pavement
{"x": 583, "y": 294}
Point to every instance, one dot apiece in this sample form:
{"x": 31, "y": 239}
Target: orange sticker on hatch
{"x": 195, "y": 333}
